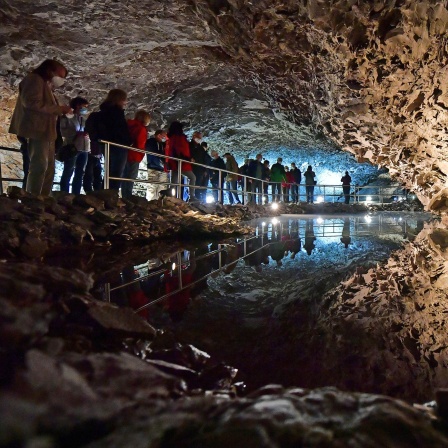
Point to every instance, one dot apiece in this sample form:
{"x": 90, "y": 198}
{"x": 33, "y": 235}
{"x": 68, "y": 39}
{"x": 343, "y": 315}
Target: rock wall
{"x": 387, "y": 324}
{"x": 254, "y": 75}
{"x": 371, "y": 75}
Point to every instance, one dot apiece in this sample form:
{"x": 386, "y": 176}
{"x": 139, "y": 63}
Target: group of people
{"x": 44, "y": 126}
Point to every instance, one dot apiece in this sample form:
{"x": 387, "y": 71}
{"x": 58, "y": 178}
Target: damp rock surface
{"x": 124, "y": 390}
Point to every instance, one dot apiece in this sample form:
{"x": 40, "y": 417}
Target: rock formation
{"x": 369, "y": 75}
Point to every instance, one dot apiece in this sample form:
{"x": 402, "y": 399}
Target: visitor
{"x": 278, "y": 176}
{"x": 93, "y": 175}
{"x": 288, "y": 185}
{"x": 266, "y": 179}
{"x": 25, "y": 159}
{"x": 199, "y": 155}
{"x": 139, "y": 134}
{"x": 73, "y": 132}
{"x": 232, "y": 179}
{"x": 346, "y": 181}
{"x": 217, "y": 162}
{"x": 116, "y": 131}
{"x": 310, "y": 182}
{"x": 244, "y": 170}
{"x": 256, "y": 170}
{"x": 177, "y": 146}
{"x": 157, "y": 176}
{"x": 295, "y": 187}
{"x": 34, "y": 119}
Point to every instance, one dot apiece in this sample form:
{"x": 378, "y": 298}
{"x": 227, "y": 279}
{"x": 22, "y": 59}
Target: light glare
{"x": 210, "y": 199}
{"x": 320, "y": 199}
{"x": 274, "y": 206}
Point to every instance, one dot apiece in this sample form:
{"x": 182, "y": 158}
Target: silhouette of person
{"x": 346, "y": 239}
{"x": 309, "y": 237}
{"x": 177, "y": 303}
{"x": 346, "y": 181}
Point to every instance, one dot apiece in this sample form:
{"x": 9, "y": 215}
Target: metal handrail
{"x": 356, "y": 190}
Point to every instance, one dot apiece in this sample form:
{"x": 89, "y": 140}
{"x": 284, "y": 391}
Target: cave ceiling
{"x": 367, "y": 76}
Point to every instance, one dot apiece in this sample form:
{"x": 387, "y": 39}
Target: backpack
{"x": 97, "y": 130}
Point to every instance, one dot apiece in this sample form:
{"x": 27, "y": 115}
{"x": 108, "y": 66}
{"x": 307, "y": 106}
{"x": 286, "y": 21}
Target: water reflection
{"x": 232, "y": 298}
{"x": 305, "y": 245}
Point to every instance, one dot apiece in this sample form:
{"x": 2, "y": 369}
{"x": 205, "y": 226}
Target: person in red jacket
{"x": 139, "y": 134}
{"x": 177, "y": 146}
{"x": 289, "y": 182}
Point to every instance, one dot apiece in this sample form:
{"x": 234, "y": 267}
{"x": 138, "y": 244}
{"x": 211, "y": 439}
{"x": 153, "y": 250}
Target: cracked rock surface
{"x": 369, "y": 77}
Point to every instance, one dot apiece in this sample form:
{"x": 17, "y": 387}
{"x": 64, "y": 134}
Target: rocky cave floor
{"x": 76, "y": 371}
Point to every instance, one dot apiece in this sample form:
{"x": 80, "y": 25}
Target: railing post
{"x": 324, "y": 193}
{"x": 179, "y": 180}
{"x": 179, "y": 269}
{"x": 1, "y": 178}
{"x": 107, "y": 291}
{"x": 244, "y": 190}
{"x": 106, "y": 166}
{"x": 220, "y": 187}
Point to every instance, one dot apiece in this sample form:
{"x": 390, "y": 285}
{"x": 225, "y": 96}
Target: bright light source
{"x": 263, "y": 224}
{"x": 173, "y": 192}
{"x": 320, "y": 199}
{"x": 274, "y": 206}
{"x": 264, "y": 199}
{"x": 209, "y": 199}
{"x": 400, "y": 219}
{"x": 413, "y": 196}
{"x": 275, "y": 221}
{"x": 173, "y": 267}
{"x": 400, "y": 198}
{"x": 368, "y": 219}
{"x": 320, "y": 220}
{"x": 369, "y": 199}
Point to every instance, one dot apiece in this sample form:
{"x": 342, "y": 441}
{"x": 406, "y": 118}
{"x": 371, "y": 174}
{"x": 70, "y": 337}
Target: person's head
{"x": 310, "y": 168}
{"x": 176, "y": 128}
{"x": 51, "y": 70}
{"x": 246, "y": 161}
{"x": 259, "y": 157}
{"x": 117, "y": 97}
{"x": 204, "y": 145}
{"x": 79, "y": 105}
{"x": 143, "y": 117}
{"x": 279, "y": 160}
{"x": 160, "y": 135}
{"x": 214, "y": 154}
{"x": 286, "y": 168}
{"x": 346, "y": 173}
{"x": 227, "y": 154}
{"x": 266, "y": 163}
{"x": 293, "y": 165}
{"x": 197, "y": 137}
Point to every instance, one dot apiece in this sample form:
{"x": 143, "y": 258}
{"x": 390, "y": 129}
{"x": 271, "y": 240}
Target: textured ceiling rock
{"x": 369, "y": 75}
{"x": 372, "y": 75}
